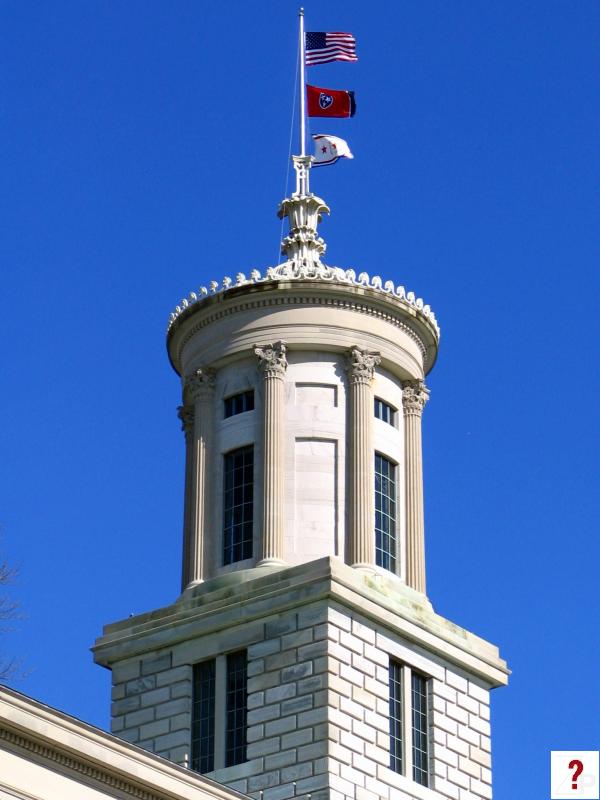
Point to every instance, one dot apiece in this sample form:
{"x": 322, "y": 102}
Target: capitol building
{"x": 301, "y": 656}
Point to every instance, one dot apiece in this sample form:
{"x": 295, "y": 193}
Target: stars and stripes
{"x": 322, "y": 47}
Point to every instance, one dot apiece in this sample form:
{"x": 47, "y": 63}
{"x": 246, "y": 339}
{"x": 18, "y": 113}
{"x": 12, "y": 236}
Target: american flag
{"x": 324, "y": 47}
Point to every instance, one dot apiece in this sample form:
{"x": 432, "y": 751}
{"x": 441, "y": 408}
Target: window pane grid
{"x": 396, "y": 738}
{"x": 203, "y": 717}
{"x": 238, "y": 504}
{"x": 236, "y": 697}
{"x": 385, "y": 412}
{"x": 385, "y": 513}
{"x": 238, "y": 403}
{"x": 420, "y": 750}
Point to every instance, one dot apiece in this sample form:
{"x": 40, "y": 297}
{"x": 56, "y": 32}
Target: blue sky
{"x": 144, "y": 151}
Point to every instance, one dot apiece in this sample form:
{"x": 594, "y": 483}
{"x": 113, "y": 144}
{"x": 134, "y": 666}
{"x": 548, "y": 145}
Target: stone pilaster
{"x": 273, "y": 364}
{"x": 360, "y": 367}
{"x": 414, "y": 396}
{"x": 197, "y": 423}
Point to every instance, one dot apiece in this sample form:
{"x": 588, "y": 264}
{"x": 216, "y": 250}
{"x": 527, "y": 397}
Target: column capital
{"x": 360, "y": 365}
{"x": 272, "y": 359}
{"x": 200, "y": 384}
{"x": 187, "y": 415}
{"x": 414, "y": 396}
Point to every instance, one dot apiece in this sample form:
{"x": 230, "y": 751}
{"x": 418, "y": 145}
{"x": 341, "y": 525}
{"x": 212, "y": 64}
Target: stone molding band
{"x": 348, "y": 304}
{"x": 93, "y": 774}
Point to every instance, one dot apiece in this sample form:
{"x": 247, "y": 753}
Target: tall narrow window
{"x": 238, "y": 504}
{"x": 236, "y": 696}
{"x": 409, "y": 723}
{"x": 385, "y": 412}
{"x": 385, "y": 513}
{"x": 420, "y": 750}
{"x": 396, "y": 722}
{"x": 203, "y": 717}
{"x": 238, "y": 403}
{"x": 220, "y": 687}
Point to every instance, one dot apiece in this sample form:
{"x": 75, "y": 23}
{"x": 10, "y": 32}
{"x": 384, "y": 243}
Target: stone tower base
{"x": 319, "y": 639}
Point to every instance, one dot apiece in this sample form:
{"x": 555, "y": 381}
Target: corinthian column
{"x": 273, "y": 363}
{"x": 186, "y": 415}
{"x": 360, "y": 366}
{"x": 197, "y": 424}
{"x": 414, "y": 397}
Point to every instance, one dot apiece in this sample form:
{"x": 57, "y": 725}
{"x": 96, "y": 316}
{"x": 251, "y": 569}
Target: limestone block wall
{"x": 358, "y": 729}
{"x": 318, "y": 709}
{"x": 151, "y": 705}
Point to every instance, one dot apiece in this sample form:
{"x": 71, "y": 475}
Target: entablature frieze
{"x": 316, "y": 270}
{"x": 422, "y": 341}
{"x": 86, "y": 756}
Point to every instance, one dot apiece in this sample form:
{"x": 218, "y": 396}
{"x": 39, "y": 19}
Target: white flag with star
{"x": 328, "y": 149}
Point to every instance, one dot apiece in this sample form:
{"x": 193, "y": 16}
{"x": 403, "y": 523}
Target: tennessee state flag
{"x": 329, "y": 102}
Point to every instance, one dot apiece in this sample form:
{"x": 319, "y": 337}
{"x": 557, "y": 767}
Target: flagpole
{"x": 302, "y": 88}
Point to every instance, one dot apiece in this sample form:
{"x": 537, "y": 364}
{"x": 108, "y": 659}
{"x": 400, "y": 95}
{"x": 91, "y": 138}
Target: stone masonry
{"x": 318, "y": 707}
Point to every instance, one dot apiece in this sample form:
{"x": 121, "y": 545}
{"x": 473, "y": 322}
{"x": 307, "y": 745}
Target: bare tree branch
{"x": 9, "y": 610}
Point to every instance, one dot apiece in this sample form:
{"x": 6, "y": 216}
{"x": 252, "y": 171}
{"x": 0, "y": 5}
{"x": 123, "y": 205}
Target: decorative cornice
{"x": 90, "y": 772}
{"x": 360, "y": 365}
{"x": 272, "y": 360}
{"x": 292, "y": 270}
{"x": 350, "y": 304}
{"x": 414, "y": 396}
{"x": 200, "y": 384}
{"x": 254, "y": 594}
{"x": 186, "y": 414}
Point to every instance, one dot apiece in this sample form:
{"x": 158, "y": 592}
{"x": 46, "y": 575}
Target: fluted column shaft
{"x": 273, "y": 364}
{"x": 361, "y": 517}
{"x": 414, "y": 397}
{"x": 186, "y": 415}
{"x": 197, "y": 418}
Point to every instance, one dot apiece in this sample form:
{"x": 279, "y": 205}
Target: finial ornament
{"x": 360, "y": 365}
{"x": 414, "y": 396}
{"x": 272, "y": 359}
{"x": 302, "y": 165}
{"x": 303, "y": 246}
{"x": 200, "y": 384}
{"x": 187, "y": 415}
